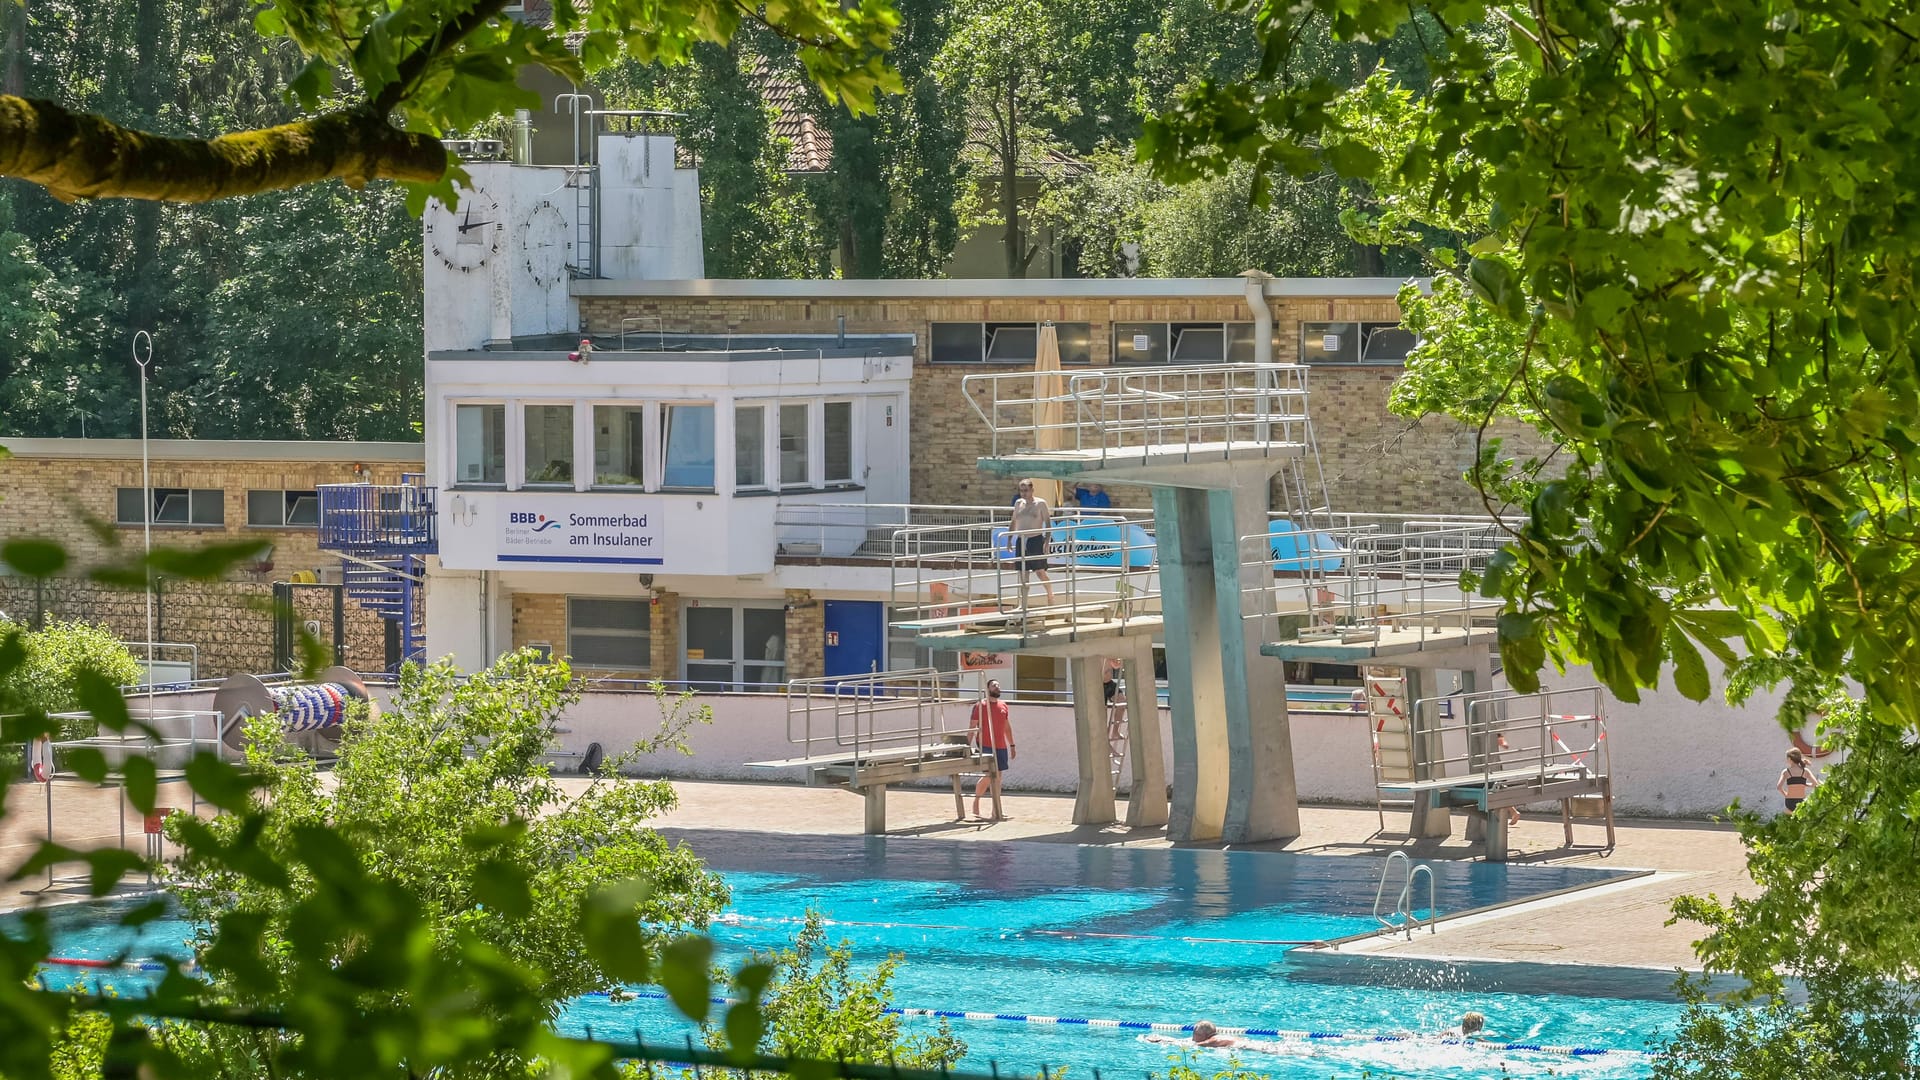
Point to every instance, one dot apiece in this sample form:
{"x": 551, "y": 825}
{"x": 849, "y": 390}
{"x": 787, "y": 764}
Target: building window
{"x": 608, "y": 633}
{"x": 839, "y": 442}
{"x": 549, "y": 445}
{"x": 750, "y": 446}
{"x": 1183, "y": 343}
{"x": 793, "y": 445}
{"x": 1139, "y": 343}
{"x": 1354, "y": 343}
{"x": 686, "y": 442}
{"x": 1007, "y": 343}
{"x": 283, "y": 509}
{"x": 480, "y": 433}
{"x": 172, "y": 506}
{"x": 619, "y": 445}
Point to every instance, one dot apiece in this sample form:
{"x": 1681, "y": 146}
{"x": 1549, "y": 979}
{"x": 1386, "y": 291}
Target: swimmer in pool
{"x": 1204, "y": 1034}
{"x": 1472, "y": 1026}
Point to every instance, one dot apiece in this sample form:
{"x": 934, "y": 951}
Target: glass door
{"x": 765, "y": 631}
{"x": 710, "y": 651}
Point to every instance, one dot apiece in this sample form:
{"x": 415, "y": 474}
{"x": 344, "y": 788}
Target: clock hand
{"x": 474, "y": 225}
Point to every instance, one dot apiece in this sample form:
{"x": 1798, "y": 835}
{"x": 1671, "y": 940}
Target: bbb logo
{"x": 540, "y": 522}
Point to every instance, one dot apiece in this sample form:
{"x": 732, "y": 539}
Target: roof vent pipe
{"x": 1262, "y": 316}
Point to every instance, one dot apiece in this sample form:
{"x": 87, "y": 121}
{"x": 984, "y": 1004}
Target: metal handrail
{"x": 1403, "y": 906}
{"x": 1105, "y": 563}
{"x": 1484, "y": 718}
{"x": 387, "y": 516}
{"x": 1097, "y": 414}
{"x": 858, "y": 707}
{"x": 867, "y": 530}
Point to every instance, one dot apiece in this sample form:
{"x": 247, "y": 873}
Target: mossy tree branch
{"x": 79, "y": 155}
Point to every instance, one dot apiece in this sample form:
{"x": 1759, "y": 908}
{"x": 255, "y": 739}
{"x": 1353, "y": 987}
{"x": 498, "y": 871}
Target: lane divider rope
{"x": 1281, "y": 1034}
{"x": 744, "y": 920}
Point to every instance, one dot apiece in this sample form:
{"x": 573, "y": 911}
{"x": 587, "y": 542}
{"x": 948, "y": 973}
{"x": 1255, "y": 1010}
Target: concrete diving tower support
{"x": 1208, "y": 442}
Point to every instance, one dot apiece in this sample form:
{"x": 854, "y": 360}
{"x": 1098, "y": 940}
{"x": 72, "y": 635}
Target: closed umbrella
{"x": 1049, "y": 410}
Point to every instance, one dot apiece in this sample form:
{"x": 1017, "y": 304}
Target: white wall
{"x": 1670, "y": 757}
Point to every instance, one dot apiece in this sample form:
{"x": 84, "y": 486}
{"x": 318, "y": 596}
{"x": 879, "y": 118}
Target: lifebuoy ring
{"x": 40, "y": 772}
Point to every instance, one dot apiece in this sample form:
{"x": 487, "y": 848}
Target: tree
{"x": 1691, "y": 268}
{"x": 383, "y": 81}
{"x": 1004, "y": 62}
{"x": 447, "y": 787}
{"x": 52, "y": 657}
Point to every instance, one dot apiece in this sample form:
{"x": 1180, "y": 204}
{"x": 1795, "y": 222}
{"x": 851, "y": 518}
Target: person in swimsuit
{"x": 1796, "y": 779}
{"x": 1027, "y": 531}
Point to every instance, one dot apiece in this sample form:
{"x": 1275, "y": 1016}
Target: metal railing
{"x": 390, "y": 517}
{"x": 1100, "y": 567}
{"x": 872, "y": 530}
{"x": 859, "y": 716}
{"x": 1352, "y": 578}
{"x": 1133, "y": 412}
{"x": 1498, "y": 737}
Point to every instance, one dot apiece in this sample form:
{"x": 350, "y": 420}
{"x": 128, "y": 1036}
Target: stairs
{"x": 391, "y": 587}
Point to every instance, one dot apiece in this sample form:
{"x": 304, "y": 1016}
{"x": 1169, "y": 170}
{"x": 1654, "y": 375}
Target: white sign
{"x": 622, "y": 530}
{"x": 1142, "y": 343}
{"x": 1330, "y": 343}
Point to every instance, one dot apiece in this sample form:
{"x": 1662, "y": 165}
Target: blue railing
{"x": 364, "y": 518}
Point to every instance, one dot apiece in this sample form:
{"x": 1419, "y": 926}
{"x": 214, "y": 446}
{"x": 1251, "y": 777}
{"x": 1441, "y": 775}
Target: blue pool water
{"x": 1136, "y": 936}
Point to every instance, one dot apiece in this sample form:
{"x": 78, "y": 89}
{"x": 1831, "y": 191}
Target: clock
{"x": 466, "y": 238}
{"x": 543, "y": 236}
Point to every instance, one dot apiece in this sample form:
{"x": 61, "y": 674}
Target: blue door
{"x": 856, "y": 636}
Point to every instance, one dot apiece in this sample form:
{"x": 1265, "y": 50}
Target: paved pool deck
{"x": 1616, "y": 924}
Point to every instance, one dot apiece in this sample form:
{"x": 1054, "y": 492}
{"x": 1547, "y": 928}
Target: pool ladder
{"x": 1403, "y": 907}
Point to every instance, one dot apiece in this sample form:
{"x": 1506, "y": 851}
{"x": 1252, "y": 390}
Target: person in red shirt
{"x": 992, "y": 729}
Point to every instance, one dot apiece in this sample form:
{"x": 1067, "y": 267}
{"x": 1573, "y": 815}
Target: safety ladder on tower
{"x": 584, "y": 179}
{"x": 1390, "y": 724}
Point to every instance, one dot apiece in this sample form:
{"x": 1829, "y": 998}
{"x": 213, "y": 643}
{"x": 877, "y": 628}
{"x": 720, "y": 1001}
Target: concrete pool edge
{"x": 1376, "y": 941}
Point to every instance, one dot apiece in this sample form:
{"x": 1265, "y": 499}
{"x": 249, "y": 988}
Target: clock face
{"x": 466, "y": 238}
{"x": 543, "y": 236}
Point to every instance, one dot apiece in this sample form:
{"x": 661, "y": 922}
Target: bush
{"x": 55, "y": 655}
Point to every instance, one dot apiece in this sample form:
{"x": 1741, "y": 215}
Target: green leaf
{"x": 218, "y": 782}
{"x": 1494, "y": 281}
{"x": 106, "y": 866}
{"x": 684, "y": 975}
{"x": 503, "y": 887}
{"x": 88, "y": 763}
{"x": 209, "y": 563}
{"x": 1354, "y": 160}
{"x": 610, "y": 923}
{"x": 34, "y": 558}
{"x": 142, "y": 780}
{"x": 101, "y": 698}
{"x": 744, "y": 1026}
{"x": 1689, "y": 671}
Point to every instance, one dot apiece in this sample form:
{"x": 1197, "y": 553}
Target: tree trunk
{"x": 79, "y": 156}
{"x": 1010, "y": 181}
{"x": 16, "y": 79}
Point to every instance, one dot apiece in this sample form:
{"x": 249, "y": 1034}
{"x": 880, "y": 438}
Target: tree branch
{"x": 414, "y": 64}
{"x": 81, "y": 156}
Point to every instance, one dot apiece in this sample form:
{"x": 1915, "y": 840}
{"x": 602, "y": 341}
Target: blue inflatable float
{"x": 1092, "y": 541}
{"x": 1297, "y": 552}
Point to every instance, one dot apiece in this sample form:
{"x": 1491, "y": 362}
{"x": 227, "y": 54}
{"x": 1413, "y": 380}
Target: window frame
{"x": 807, "y": 460}
{"x": 289, "y": 498}
{"x": 644, "y": 635}
{"x": 572, "y": 444}
{"x": 647, "y": 426}
{"x": 759, "y": 405}
{"x": 664, "y": 433}
{"x": 852, "y": 479}
{"x": 154, "y": 498}
{"x": 506, "y": 443}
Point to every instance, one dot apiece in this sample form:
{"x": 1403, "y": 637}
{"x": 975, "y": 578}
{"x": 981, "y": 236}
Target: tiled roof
{"x": 809, "y": 143}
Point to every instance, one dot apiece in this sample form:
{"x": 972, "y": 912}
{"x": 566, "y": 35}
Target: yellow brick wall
{"x": 1374, "y": 462}
{"x": 231, "y": 622}
{"x": 54, "y": 497}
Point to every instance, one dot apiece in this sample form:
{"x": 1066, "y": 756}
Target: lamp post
{"x": 143, "y": 360}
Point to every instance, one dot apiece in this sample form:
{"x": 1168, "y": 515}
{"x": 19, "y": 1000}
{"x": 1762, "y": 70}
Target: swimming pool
{"x": 1142, "y": 936}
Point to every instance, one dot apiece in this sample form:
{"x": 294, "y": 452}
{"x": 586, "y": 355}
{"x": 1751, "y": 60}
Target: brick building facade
{"x": 54, "y": 489}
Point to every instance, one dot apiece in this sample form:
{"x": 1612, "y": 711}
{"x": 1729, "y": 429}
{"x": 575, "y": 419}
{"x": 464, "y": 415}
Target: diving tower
{"x": 1210, "y": 443}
